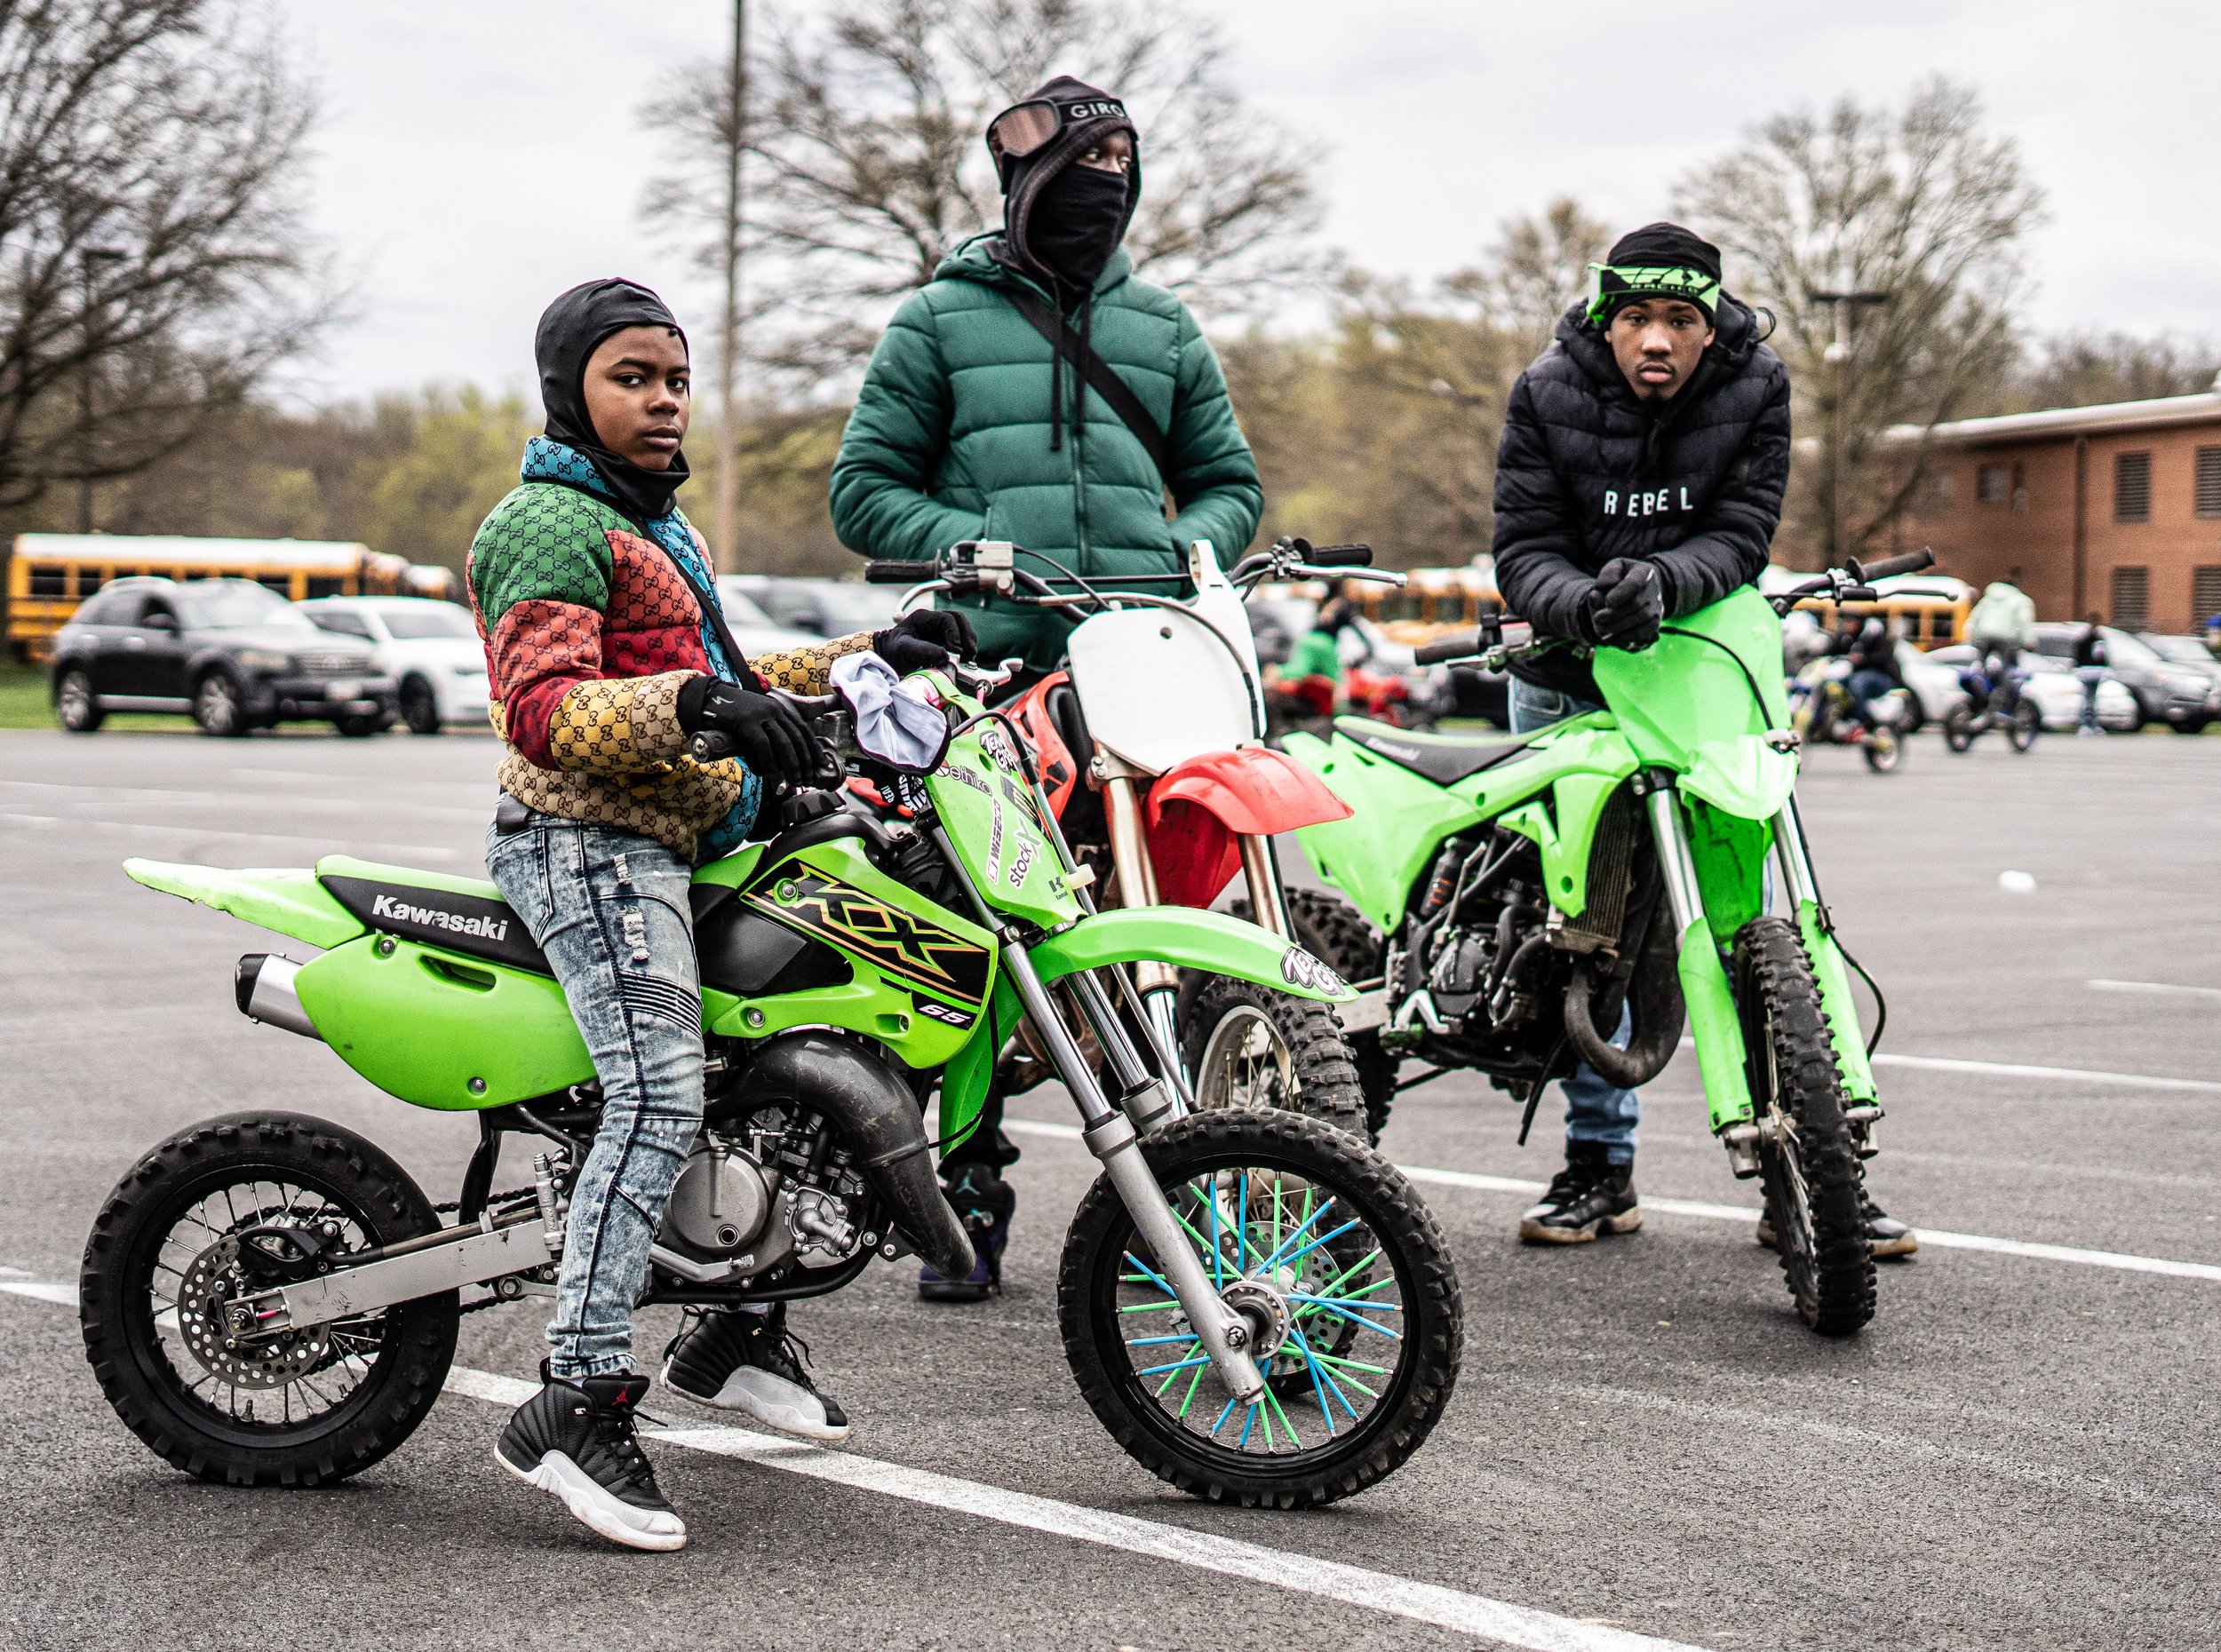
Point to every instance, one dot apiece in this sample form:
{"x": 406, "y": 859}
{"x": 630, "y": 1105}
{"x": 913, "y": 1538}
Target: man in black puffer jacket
{"x": 1639, "y": 478}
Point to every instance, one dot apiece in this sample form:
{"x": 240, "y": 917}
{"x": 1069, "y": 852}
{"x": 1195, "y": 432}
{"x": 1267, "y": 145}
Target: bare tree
{"x": 152, "y": 261}
{"x": 1536, "y": 269}
{"x": 866, "y": 164}
{"x": 1918, "y": 203}
{"x": 2083, "y": 369}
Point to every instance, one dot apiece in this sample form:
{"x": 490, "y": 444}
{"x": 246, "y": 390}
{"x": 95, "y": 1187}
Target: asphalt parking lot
{"x": 2024, "y": 1450}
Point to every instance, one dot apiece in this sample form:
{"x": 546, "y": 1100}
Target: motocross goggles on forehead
{"x": 1610, "y": 286}
{"x": 1023, "y": 129}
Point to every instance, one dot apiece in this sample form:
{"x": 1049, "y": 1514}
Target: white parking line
{"x": 2062, "y": 1075}
{"x": 1941, "y": 1238}
{"x": 1280, "y": 1568}
{"x": 2154, "y": 986}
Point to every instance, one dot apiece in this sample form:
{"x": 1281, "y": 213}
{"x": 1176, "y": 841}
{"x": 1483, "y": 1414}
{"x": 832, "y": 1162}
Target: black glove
{"x": 1626, "y": 606}
{"x": 925, "y": 639}
{"x": 768, "y": 734}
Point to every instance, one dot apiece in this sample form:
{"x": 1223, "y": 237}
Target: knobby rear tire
{"x": 1333, "y": 929}
{"x": 1323, "y": 1076}
{"x": 1827, "y": 1255}
{"x": 149, "y": 1393}
{"x": 1412, "y": 1402}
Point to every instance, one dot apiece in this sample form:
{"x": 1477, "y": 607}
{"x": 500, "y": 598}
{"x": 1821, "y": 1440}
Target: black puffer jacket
{"x": 1587, "y": 472}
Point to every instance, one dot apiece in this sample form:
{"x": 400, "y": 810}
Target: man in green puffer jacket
{"x": 970, "y": 427}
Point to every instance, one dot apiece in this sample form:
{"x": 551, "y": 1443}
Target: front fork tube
{"x": 1111, "y": 1136}
{"x": 1828, "y": 968}
{"x": 1704, "y": 986}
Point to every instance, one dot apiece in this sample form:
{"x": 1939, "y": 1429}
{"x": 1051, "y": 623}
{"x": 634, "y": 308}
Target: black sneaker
{"x": 984, "y": 1201}
{"x": 1590, "y": 1196}
{"x": 1888, "y": 1236}
{"x": 575, "y": 1440}
{"x": 741, "y": 1361}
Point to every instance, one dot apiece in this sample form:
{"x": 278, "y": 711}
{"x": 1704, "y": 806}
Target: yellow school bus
{"x": 1928, "y": 610}
{"x": 1433, "y": 602}
{"x": 49, "y": 574}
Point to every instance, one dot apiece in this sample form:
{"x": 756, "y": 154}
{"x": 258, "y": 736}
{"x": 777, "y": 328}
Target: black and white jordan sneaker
{"x": 741, "y": 1361}
{"x": 576, "y": 1441}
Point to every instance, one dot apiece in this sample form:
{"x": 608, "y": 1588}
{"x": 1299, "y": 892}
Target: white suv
{"x": 430, "y": 648}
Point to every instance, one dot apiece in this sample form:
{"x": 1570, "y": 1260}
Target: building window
{"x": 2132, "y": 598}
{"x": 2205, "y": 594}
{"x": 2131, "y": 487}
{"x": 2209, "y": 481}
{"x": 1994, "y": 484}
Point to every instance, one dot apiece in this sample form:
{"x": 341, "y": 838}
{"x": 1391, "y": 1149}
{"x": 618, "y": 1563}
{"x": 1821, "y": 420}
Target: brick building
{"x": 2112, "y": 510}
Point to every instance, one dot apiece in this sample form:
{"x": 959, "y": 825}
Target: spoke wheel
{"x": 1327, "y": 1253}
{"x": 1249, "y": 1046}
{"x": 171, "y": 1256}
{"x": 2027, "y": 725}
{"x": 1808, "y": 1162}
{"x": 75, "y": 705}
{"x": 1884, "y": 749}
{"x": 216, "y": 706}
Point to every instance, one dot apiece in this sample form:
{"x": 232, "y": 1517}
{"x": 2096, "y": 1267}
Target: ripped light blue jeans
{"x": 609, "y": 908}
{"x": 1596, "y": 1110}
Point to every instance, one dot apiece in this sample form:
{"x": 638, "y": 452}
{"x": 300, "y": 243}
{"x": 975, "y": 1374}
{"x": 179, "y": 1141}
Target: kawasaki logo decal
{"x": 433, "y": 918}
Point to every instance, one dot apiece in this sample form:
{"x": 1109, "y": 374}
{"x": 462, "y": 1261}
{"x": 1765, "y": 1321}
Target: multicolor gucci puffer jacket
{"x": 590, "y": 633}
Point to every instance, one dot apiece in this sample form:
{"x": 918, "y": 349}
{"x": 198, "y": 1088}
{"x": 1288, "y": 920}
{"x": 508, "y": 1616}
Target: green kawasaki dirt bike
{"x": 1257, "y": 1306}
{"x": 1509, "y": 898}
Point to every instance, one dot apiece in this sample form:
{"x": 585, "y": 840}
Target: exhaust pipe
{"x": 881, "y": 1120}
{"x": 264, "y": 986}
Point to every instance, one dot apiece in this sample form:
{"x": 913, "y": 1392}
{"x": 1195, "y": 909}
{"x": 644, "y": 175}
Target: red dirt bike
{"x": 1150, "y": 746}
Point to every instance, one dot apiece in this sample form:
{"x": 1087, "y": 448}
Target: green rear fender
{"x": 288, "y": 901}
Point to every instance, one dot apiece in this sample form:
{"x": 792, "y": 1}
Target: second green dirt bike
{"x": 1509, "y": 898}
{"x": 1257, "y": 1306}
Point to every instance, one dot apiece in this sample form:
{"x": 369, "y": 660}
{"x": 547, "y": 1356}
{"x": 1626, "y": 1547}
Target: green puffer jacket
{"x": 949, "y": 441}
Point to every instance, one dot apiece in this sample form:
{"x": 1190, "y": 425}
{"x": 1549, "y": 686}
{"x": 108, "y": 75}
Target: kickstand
{"x": 1526, "y": 1119}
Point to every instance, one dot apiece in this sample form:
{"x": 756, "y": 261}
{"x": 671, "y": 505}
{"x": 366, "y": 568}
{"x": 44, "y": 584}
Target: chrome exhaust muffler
{"x": 264, "y": 986}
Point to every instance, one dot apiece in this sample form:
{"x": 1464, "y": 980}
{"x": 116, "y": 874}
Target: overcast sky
{"x": 474, "y": 160}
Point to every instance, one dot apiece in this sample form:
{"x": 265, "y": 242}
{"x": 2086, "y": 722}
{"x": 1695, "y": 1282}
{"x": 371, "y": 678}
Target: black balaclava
{"x": 1062, "y": 222}
{"x": 572, "y": 329}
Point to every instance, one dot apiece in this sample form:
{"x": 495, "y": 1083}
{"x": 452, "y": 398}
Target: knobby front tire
{"x": 1354, "y": 1386}
{"x": 1810, "y": 1171}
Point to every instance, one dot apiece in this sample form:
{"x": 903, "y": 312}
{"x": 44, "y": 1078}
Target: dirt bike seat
{"x": 1444, "y": 758}
{"x": 466, "y": 915}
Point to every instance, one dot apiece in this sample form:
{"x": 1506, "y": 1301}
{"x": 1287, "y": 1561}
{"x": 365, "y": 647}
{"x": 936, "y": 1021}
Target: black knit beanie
{"x": 1658, "y": 260}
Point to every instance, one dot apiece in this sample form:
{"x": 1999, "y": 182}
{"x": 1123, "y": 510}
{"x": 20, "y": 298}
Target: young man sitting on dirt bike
{"x": 607, "y": 656}
{"x": 1639, "y": 478}
{"x": 976, "y": 420}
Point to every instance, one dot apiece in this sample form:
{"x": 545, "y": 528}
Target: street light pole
{"x": 87, "y": 257}
{"x": 725, "y": 507}
{"x": 1843, "y": 300}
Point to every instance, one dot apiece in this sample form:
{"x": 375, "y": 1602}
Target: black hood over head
{"x": 572, "y": 329}
{"x": 1086, "y": 220}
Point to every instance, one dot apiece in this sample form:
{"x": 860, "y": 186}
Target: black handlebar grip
{"x": 1457, "y": 646}
{"x": 1340, "y": 556}
{"x": 713, "y": 745}
{"x": 1911, "y": 562}
{"x": 896, "y": 573}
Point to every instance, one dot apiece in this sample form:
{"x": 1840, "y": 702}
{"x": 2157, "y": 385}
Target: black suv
{"x": 236, "y": 655}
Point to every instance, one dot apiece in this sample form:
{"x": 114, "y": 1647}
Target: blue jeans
{"x": 1596, "y": 1110}
{"x": 609, "y": 908}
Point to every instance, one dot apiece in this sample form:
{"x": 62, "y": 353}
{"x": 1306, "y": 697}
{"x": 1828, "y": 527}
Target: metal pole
{"x": 87, "y": 257}
{"x": 1839, "y": 355}
{"x": 725, "y": 507}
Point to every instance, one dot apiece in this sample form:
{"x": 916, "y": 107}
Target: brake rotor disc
{"x": 213, "y": 1282}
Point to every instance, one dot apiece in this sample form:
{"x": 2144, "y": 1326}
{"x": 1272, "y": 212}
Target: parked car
{"x": 233, "y": 653}
{"x": 2181, "y": 696}
{"x": 2189, "y": 653}
{"x": 430, "y": 648}
{"x": 823, "y": 608}
{"x": 752, "y": 629}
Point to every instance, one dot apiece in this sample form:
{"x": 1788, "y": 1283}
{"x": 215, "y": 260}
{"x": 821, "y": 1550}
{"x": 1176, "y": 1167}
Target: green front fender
{"x": 1179, "y": 936}
{"x": 1182, "y": 935}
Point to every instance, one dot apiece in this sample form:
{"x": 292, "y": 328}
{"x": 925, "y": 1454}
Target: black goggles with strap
{"x": 1025, "y": 129}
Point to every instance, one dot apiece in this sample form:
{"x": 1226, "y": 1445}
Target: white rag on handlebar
{"x": 895, "y": 723}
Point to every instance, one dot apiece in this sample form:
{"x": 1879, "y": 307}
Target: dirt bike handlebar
{"x": 1866, "y": 573}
